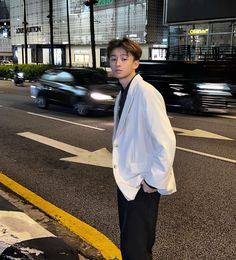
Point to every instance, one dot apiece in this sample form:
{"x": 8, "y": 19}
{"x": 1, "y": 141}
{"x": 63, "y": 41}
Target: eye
{"x": 112, "y": 59}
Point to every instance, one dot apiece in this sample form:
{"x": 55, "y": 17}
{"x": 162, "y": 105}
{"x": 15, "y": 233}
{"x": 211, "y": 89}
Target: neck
{"x": 125, "y": 81}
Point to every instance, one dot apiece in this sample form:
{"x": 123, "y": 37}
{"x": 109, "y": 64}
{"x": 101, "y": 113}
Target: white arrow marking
{"x": 100, "y": 157}
{"x": 200, "y": 133}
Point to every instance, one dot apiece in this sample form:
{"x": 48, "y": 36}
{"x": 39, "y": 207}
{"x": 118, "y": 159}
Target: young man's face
{"x": 123, "y": 65}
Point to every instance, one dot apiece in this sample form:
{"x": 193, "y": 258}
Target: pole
{"x": 25, "y": 35}
{"x": 50, "y": 16}
{"x": 91, "y": 3}
{"x": 68, "y": 31}
{"x": 92, "y": 36}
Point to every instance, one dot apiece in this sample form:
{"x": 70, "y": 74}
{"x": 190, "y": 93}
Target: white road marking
{"x": 200, "y": 133}
{"x": 66, "y": 121}
{"x": 206, "y": 154}
{"x": 230, "y": 117}
{"x": 14, "y": 227}
{"x": 1, "y": 106}
{"x": 101, "y": 157}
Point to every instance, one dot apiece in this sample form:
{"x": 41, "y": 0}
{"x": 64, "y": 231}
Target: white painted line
{"x": 65, "y": 121}
{"x": 207, "y": 155}
{"x": 230, "y": 117}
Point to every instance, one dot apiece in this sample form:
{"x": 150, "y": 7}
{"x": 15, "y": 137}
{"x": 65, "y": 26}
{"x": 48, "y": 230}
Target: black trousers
{"x": 137, "y": 220}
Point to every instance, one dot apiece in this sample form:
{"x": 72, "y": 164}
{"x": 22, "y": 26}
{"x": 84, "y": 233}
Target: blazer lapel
{"x": 124, "y": 114}
{"x": 128, "y": 103}
{"x": 116, "y": 115}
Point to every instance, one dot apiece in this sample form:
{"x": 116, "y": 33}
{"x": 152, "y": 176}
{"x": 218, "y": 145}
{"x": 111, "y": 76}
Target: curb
{"x": 90, "y": 236}
{"x": 23, "y": 238}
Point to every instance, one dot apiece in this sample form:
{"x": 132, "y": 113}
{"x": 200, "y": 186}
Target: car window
{"x": 49, "y": 75}
{"x": 88, "y": 77}
{"x": 58, "y": 76}
{"x": 97, "y": 78}
{"x": 64, "y": 76}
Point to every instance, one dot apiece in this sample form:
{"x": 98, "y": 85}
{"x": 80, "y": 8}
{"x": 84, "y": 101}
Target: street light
{"x": 90, "y": 3}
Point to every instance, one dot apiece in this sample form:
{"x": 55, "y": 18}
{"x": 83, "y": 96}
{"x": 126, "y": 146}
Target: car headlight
{"x": 99, "y": 96}
{"x": 180, "y": 94}
{"x": 213, "y": 86}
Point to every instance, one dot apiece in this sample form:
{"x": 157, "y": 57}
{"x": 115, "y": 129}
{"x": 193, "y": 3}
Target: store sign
{"x": 29, "y": 29}
{"x": 105, "y": 2}
{"x": 198, "y": 31}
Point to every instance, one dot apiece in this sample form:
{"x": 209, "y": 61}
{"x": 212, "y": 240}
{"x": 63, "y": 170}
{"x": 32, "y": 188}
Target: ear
{"x": 136, "y": 64}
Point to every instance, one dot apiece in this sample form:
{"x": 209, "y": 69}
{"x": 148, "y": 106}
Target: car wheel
{"x": 42, "y": 102}
{"x": 81, "y": 109}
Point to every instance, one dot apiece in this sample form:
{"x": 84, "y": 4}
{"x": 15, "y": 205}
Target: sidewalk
{"x": 23, "y": 238}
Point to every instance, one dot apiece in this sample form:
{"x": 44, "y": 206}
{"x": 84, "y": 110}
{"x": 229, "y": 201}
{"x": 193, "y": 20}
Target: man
{"x": 143, "y": 151}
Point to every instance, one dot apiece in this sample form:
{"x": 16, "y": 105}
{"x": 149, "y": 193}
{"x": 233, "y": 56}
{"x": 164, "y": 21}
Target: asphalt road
{"x": 197, "y": 222}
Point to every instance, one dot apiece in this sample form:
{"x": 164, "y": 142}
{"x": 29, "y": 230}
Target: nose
{"x": 118, "y": 62}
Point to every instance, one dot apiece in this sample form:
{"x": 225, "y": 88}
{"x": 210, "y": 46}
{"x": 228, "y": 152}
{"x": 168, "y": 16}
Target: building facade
{"x": 203, "y": 41}
{"x": 5, "y": 41}
{"x": 136, "y": 19}
{"x": 203, "y": 32}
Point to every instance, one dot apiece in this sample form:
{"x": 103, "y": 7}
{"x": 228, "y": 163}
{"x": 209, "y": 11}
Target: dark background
{"x": 192, "y": 10}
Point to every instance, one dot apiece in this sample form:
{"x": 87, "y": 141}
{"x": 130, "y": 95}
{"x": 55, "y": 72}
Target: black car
{"x": 83, "y": 89}
{"x": 187, "y": 86}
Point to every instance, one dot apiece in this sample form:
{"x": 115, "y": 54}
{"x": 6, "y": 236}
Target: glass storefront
{"x": 208, "y": 41}
{"x": 112, "y": 19}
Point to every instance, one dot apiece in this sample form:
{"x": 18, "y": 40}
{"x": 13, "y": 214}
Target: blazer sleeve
{"x": 163, "y": 139}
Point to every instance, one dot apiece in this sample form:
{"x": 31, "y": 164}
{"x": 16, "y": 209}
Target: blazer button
{"x": 114, "y": 166}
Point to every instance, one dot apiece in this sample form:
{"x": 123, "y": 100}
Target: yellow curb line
{"x": 80, "y": 228}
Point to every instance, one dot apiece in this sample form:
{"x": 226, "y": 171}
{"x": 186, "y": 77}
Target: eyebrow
{"x": 113, "y": 55}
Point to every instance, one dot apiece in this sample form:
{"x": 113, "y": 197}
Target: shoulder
{"x": 147, "y": 90}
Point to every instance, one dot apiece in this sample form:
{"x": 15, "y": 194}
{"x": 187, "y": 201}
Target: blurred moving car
{"x": 81, "y": 88}
{"x": 233, "y": 90}
{"x": 187, "y": 86}
{"x": 6, "y": 62}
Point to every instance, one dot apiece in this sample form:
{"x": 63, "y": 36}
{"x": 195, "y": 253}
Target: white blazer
{"x": 143, "y": 141}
